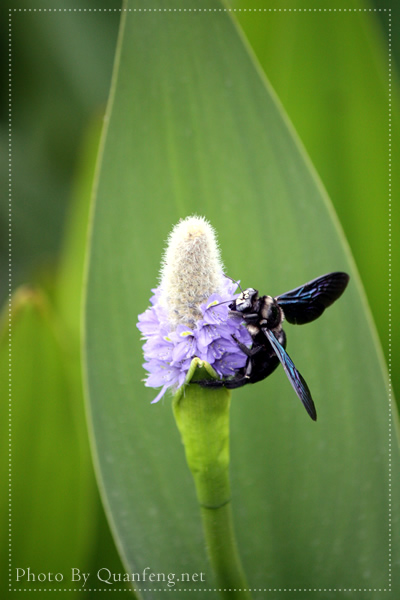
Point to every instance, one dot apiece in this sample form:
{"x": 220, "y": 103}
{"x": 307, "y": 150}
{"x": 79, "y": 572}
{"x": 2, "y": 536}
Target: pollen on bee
{"x": 192, "y": 270}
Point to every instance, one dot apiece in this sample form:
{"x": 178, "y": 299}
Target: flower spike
{"x": 189, "y": 315}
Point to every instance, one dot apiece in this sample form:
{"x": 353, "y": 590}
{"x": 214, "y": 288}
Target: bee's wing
{"x": 308, "y": 302}
{"x": 297, "y": 381}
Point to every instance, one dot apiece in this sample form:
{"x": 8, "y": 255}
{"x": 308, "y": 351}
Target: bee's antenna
{"x": 234, "y": 281}
{"x": 231, "y": 300}
{"x": 224, "y": 302}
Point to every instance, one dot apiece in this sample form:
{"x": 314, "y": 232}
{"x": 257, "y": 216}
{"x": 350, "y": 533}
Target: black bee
{"x": 264, "y": 316}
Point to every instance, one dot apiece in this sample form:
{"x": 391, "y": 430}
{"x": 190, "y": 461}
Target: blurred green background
{"x": 61, "y": 72}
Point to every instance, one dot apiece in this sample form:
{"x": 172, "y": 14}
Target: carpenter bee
{"x": 263, "y": 317}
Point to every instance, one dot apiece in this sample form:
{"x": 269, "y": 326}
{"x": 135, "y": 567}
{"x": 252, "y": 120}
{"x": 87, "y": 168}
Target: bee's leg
{"x": 247, "y": 317}
{"x": 230, "y": 384}
{"x": 250, "y": 317}
{"x": 247, "y": 351}
{"x": 211, "y": 383}
{"x": 249, "y": 368}
{"x": 241, "y": 379}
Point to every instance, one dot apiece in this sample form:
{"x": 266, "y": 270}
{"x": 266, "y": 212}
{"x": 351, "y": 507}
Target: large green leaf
{"x": 193, "y": 126}
{"x": 57, "y": 519}
{"x": 330, "y": 95}
{"x": 52, "y": 490}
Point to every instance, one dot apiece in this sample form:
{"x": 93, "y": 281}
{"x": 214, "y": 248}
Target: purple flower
{"x": 169, "y": 350}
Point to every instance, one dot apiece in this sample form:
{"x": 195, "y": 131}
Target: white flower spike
{"x": 192, "y": 270}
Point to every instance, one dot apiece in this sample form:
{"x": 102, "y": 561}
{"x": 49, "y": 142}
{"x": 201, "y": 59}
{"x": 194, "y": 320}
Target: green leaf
{"x": 194, "y": 127}
{"x": 68, "y": 301}
{"x": 52, "y": 493}
{"x": 335, "y": 80}
{"x": 58, "y": 522}
{"x": 68, "y": 293}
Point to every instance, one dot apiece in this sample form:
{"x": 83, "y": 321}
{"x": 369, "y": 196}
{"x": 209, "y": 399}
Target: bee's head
{"x": 245, "y": 300}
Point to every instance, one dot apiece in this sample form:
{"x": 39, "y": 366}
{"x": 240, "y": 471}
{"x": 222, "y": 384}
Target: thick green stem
{"x": 202, "y": 416}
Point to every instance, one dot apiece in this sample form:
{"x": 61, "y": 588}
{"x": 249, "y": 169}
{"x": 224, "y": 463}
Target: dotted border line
{"x": 390, "y": 296}
{"x": 390, "y": 424}
{"x": 177, "y": 590}
{"x": 200, "y": 10}
{"x": 9, "y": 303}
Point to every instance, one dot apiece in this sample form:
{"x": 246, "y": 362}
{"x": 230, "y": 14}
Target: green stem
{"x": 202, "y": 416}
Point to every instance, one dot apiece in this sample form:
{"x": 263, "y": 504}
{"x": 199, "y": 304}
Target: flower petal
{"x": 168, "y": 351}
